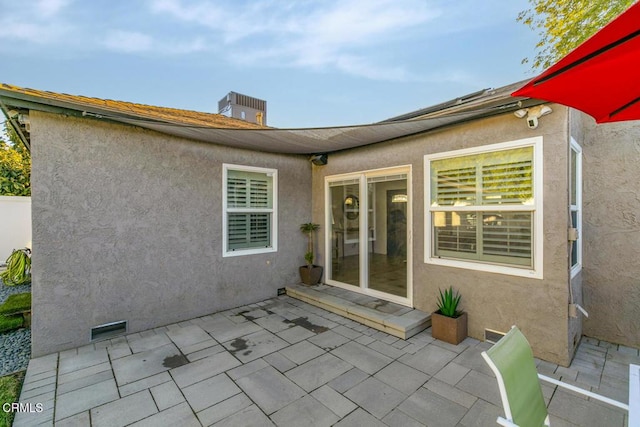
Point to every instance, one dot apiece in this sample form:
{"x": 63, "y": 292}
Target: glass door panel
{"x": 387, "y": 226}
{"x": 344, "y": 202}
{"x": 368, "y": 233}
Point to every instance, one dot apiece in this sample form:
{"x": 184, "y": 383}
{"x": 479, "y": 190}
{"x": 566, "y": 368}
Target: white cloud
{"x": 28, "y": 32}
{"x": 50, "y": 8}
{"x": 38, "y": 24}
{"x": 340, "y": 35}
{"x": 352, "y": 37}
{"x": 203, "y": 13}
{"x": 136, "y": 42}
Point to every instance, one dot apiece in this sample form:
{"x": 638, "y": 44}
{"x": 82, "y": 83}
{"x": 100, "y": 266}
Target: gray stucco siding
{"x": 128, "y": 226}
{"x": 611, "y": 229}
{"x": 494, "y": 301}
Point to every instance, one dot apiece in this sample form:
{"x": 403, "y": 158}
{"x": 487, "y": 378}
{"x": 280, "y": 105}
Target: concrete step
{"x": 394, "y": 319}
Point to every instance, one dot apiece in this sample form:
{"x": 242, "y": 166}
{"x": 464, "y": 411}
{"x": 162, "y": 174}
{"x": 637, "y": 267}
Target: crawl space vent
{"x": 493, "y": 336}
{"x": 108, "y": 330}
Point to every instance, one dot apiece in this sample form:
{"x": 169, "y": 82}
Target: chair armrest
{"x": 634, "y": 395}
{"x": 584, "y": 392}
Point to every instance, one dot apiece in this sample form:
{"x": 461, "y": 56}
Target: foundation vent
{"x": 493, "y": 336}
{"x": 108, "y": 330}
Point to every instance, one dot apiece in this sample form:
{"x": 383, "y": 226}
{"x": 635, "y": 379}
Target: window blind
{"x": 249, "y": 190}
{"x": 249, "y": 194}
{"x": 456, "y": 186}
{"x": 506, "y": 236}
{"x": 466, "y": 186}
{"x": 507, "y": 183}
{"x": 246, "y": 230}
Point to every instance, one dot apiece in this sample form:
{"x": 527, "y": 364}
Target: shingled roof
{"x": 164, "y": 114}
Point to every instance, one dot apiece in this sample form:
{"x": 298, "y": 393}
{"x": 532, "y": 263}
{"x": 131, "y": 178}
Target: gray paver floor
{"x": 284, "y": 362}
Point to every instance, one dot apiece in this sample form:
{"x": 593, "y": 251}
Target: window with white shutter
{"x": 484, "y": 207}
{"x": 249, "y": 210}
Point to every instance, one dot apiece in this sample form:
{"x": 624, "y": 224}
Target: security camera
{"x": 319, "y": 159}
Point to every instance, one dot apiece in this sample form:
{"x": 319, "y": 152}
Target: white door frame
{"x": 364, "y": 233}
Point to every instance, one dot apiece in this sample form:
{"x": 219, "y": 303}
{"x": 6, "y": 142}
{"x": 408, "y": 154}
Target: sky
{"x": 316, "y": 63}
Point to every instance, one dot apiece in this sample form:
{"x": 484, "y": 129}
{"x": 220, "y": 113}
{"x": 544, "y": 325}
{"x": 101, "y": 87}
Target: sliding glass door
{"x": 368, "y": 237}
{"x": 344, "y": 202}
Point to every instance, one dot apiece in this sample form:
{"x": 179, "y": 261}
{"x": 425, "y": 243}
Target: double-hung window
{"x": 484, "y": 208}
{"x": 249, "y": 210}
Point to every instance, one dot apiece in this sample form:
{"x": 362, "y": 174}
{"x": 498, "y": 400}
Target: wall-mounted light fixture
{"x": 533, "y": 114}
{"x": 399, "y": 198}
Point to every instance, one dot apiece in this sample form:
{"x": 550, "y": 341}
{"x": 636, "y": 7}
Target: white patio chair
{"x": 511, "y": 360}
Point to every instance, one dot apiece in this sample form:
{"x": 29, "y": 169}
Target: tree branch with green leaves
{"x": 564, "y": 24}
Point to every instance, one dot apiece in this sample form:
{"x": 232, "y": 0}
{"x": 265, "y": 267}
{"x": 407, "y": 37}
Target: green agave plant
{"x": 448, "y": 302}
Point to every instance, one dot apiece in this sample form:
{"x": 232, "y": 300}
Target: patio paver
{"x": 269, "y": 389}
{"x": 319, "y": 371}
{"x": 86, "y": 398}
{"x": 125, "y": 411}
{"x": 375, "y": 397}
{"x": 132, "y": 368}
{"x": 179, "y": 415}
{"x": 284, "y": 362}
{"x": 305, "y": 411}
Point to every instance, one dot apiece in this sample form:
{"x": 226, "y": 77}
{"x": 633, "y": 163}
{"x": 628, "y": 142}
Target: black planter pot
{"x": 310, "y": 276}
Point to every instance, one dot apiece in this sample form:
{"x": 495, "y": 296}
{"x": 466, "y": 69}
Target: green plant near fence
{"x": 15, "y": 166}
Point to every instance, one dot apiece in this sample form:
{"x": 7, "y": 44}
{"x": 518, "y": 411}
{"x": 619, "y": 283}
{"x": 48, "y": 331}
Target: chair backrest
{"x": 512, "y": 362}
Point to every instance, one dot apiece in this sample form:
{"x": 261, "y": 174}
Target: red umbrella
{"x": 601, "y": 76}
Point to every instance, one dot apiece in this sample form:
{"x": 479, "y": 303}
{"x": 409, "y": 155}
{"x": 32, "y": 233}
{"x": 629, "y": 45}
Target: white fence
{"x": 15, "y": 224}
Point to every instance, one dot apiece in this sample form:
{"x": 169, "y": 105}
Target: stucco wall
{"x": 493, "y": 301}
{"x": 15, "y": 224}
{"x": 577, "y": 132}
{"x": 127, "y": 226}
{"x": 611, "y": 227}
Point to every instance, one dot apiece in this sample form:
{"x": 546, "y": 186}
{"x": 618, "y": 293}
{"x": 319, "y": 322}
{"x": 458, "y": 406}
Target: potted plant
{"x": 310, "y": 274}
{"x": 449, "y": 324}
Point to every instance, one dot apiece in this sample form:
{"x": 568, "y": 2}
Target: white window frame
{"x": 226, "y": 167}
{"x": 577, "y": 207}
{"x": 538, "y": 235}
